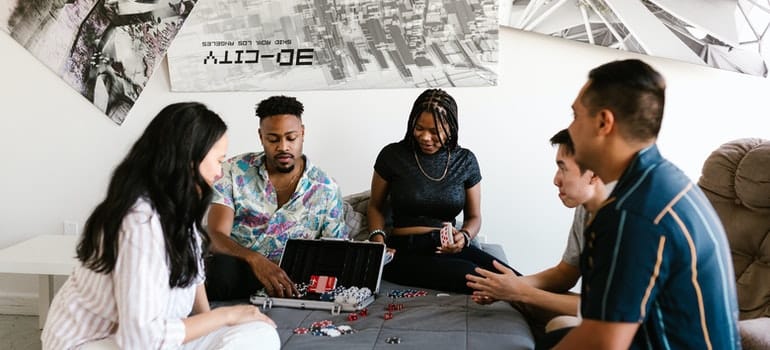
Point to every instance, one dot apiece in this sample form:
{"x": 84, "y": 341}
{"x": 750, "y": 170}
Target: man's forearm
{"x": 557, "y": 279}
{"x": 222, "y": 244}
{"x": 563, "y": 304}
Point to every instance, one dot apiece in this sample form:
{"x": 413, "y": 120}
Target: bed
{"x": 433, "y": 321}
{"x": 451, "y": 322}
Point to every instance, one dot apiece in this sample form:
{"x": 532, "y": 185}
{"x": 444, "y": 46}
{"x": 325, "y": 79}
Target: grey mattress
{"x": 426, "y": 322}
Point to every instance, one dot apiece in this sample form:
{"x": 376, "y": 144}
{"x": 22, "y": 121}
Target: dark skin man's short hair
{"x": 277, "y": 105}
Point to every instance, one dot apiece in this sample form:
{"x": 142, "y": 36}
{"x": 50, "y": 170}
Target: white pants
{"x": 252, "y": 335}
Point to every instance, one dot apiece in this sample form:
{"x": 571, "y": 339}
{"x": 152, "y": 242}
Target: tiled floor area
{"x": 19, "y": 333}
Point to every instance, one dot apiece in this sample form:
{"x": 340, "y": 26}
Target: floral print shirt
{"x": 313, "y": 211}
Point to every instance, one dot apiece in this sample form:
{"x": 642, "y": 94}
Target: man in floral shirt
{"x": 262, "y": 200}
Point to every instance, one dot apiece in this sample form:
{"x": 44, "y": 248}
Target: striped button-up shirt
{"x": 656, "y": 254}
{"x": 134, "y": 302}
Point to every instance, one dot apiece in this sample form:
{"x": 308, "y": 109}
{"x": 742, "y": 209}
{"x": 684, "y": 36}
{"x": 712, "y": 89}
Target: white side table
{"x": 45, "y": 256}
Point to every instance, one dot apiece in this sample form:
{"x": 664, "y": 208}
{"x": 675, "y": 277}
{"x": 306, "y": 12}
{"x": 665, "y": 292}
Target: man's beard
{"x": 285, "y": 170}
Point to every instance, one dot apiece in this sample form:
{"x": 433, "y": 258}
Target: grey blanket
{"x": 425, "y": 322}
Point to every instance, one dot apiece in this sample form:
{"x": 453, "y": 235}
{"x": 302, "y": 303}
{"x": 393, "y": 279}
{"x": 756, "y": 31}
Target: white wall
{"x": 57, "y": 150}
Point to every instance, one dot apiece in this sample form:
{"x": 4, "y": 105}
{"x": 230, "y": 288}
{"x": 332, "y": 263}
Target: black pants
{"x": 552, "y": 338}
{"x": 229, "y": 278}
{"x": 416, "y": 264}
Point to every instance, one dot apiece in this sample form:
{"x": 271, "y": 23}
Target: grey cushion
{"x": 428, "y": 322}
{"x": 755, "y": 334}
{"x": 354, "y": 207}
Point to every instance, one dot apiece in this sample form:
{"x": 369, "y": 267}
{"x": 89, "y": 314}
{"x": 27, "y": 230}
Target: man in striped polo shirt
{"x": 656, "y": 266}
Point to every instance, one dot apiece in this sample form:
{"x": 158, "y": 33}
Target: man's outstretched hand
{"x": 276, "y": 282}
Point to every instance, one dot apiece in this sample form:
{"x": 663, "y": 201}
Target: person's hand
{"x": 482, "y": 300}
{"x": 456, "y": 247}
{"x": 277, "y": 283}
{"x": 242, "y": 313}
{"x": 497, "y": 286}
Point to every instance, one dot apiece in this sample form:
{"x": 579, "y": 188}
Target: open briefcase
{"x": 349, "y": 263}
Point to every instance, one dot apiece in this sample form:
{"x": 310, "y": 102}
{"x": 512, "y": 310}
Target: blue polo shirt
{"x": 656, "y": 254}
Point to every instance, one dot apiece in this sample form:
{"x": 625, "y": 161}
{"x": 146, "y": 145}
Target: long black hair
{"x": 444, "y": 109}
{"x": 162, "y": 166}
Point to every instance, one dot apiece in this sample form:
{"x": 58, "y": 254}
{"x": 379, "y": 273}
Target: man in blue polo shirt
{"x": 656, "y": 265}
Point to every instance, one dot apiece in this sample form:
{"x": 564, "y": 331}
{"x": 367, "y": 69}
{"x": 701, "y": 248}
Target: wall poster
{"x": 335, "y": 44}
{"x": 104, "y": 49}
{"x": 725, "y": 34}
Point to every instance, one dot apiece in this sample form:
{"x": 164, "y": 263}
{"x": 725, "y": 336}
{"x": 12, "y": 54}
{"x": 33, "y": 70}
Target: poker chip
{"x": 393, "y": 340}
{"x": 325, "y": 328}
{"x": 331, "y": 332}
{"x": 407, "y": 293}
{"x": 349, "y": 296}
{"x": 345, "y": 329}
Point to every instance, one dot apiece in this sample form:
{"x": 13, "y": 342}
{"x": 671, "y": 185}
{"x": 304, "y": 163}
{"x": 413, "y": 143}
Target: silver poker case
{"x": 355, "y": 264}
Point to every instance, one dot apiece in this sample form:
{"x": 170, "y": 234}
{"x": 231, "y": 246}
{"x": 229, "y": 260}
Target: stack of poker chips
{"x": 350, "y": 296}
{"x": 301, "y": 289}
{"x": 325, "y": 328}
{"x": 407, "y": 293}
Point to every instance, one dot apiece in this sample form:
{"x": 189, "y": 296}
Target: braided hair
{"x": 444, "y": 110}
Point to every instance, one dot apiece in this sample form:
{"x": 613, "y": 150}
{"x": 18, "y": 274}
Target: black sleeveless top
{"x": 417, "y": 200}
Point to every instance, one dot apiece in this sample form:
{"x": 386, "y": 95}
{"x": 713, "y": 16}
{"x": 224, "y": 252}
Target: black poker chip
{"x": 393, "y": 340}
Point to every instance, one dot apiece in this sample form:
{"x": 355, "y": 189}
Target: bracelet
{"x": 378, "y": 232}
{"x": 467, "y": 236}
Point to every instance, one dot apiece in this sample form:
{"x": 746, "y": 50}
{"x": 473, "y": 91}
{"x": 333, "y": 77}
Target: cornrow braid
{"x": 444, "y": 110}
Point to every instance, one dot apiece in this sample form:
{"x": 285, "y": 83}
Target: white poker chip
{"x": 393, "y": 340}
{"x": 331, "y": 332}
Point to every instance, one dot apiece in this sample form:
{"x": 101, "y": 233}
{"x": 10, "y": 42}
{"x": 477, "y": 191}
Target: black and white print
{"x": 725, "y": 34}
{"x": 104, "y": 49}
{"x": 335, "y": 44}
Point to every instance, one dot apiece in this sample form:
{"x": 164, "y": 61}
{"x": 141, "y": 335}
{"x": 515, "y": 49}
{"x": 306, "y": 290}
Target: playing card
{"x": 446, "y": 234}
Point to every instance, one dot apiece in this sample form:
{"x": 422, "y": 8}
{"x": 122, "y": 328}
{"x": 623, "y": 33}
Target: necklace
{"x": 289, "y": 186}
{"x": 292, "y": 185}
{"x": 446, "y": 168}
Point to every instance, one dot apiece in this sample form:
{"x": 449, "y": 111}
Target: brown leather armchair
{"x": 736, "y": 179}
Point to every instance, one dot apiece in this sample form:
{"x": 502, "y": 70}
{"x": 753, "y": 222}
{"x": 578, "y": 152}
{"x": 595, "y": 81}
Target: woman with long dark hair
{"x": 140, "y": 280}
{"x": 430, "y": 179}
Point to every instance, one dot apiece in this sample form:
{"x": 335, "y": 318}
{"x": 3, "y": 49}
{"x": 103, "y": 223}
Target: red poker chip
{"x": 301, "y": 330}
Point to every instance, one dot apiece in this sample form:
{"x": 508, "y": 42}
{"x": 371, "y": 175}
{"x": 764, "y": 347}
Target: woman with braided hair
{"x": 430, "y": 179}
